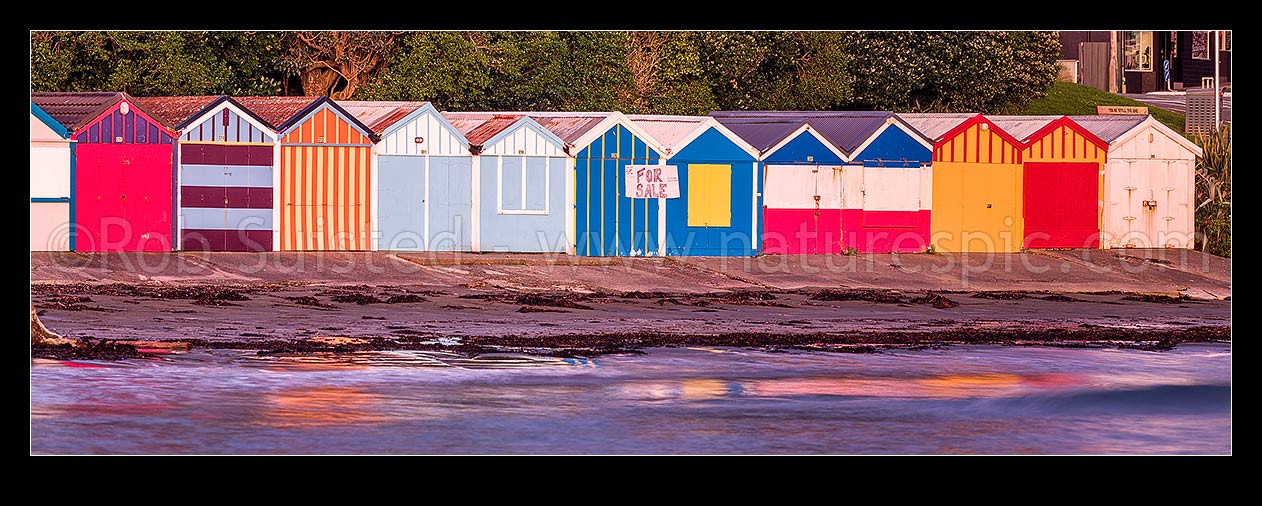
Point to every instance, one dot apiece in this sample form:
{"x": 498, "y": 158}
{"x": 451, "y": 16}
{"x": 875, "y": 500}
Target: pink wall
{"x": 885, "y": 231}
{"x": 123, "y": 197}
{"x": 801, "y": 231}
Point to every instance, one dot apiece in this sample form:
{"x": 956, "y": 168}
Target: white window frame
{"x": 499, "y": 188}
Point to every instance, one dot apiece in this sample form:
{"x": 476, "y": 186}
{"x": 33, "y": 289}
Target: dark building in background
{"x": 1143, "y": 61}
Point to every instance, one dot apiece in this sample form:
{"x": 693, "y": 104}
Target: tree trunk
{"x": 318, "y": 81}
{"x": 643, "y": 56}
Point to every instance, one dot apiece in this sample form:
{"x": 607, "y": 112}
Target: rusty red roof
{"x": 489, "y": 128}
{"x": 279, "y": 112}
{"x": 465, "y": 122}
{"x": 379, "y": 115}
{"x": 569, "y": 126}
{"x": 182, "y": 109}
{"x": 74, "y": 109}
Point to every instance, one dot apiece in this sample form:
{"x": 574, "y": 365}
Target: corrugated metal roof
{"x": 278, "y": 111}
{"x": 569, "y": 126}
{"x": 934, "y": 124}
{"x": 845, "y": 129}
{"x": 76, "y": 108}
{"x": 1109, "y": 127}
{"x": 848, "y": 132}
{"x": 181, "y": 109}
{"x": 1021, "y": 127}
{"x": 490, "y": 128}
{"x": 466, "y": 122}
{"x": 479, "y": 127}
{"x": 668, "y": 130}
{"x": 379, "y": 115}
{"x": 760, "y": 132}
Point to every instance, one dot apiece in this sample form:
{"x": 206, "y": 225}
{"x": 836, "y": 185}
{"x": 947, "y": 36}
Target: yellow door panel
{"x": 948, "y": 206}
{"x": 709, "y": 195}
{"x": 976, "y": 207}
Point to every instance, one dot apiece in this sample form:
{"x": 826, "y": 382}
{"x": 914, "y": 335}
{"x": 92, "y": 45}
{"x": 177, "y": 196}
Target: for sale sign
{"x": 652, "y": 181}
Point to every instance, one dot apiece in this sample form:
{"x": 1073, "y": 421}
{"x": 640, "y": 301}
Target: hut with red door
{"x": 124, "y": 181}
{"x": 1062, "y": 181}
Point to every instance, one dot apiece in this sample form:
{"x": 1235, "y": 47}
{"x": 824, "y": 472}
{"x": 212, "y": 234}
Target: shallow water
{"x": 985, "y": 399}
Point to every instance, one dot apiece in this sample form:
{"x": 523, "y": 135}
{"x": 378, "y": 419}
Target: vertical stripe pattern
{"x": 236, "y": 129}
{"x": 325, "y": 188}
{"x": 608, "y": 223}
{"x": 975, "y": 145}
{"x": 134, "y": 128}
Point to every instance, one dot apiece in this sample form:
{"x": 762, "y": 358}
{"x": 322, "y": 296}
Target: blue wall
{"x": 802, "y": 146}
{"x": 891, "y": 148}
{"x": 522, "y": 232}
{"x": 713, "y": 147}
{"x": 604, "y": 218}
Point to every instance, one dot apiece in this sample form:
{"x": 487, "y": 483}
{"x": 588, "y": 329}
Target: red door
{"x": 125, "y": 191}
{"x": 1062, "y": 205}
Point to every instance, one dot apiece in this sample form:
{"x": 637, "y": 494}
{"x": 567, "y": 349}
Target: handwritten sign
{"x": 652, "y": 181}
{"x": 1120, "y": 109}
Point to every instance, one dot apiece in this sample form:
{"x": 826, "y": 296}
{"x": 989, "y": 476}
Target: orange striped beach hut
{"x": 325, "y": 175}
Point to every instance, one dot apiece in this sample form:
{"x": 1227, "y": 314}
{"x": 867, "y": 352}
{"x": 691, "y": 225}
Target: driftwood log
{"x": 40, "y": 335}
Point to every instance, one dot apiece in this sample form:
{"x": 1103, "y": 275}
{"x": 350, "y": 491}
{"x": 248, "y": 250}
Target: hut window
{"x": 523, "y": 185}
{"x": 536, "y": 184}
{"x": 709, "y": 195}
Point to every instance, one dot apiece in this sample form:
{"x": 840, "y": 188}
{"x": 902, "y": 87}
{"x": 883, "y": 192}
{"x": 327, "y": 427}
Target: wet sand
{"x": 285, "y": 317}
{"x": 563, "y": 305}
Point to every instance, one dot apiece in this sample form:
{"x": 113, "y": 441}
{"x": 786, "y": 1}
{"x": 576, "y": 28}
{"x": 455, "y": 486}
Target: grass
{"x": 1069, "y": 98}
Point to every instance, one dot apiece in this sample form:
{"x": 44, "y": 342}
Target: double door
{"x": 123, "y": 197}
{"x": 802, "y": 209}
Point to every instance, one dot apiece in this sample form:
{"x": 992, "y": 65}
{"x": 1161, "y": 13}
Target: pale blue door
{"x": 450, "y": 203}
{"x": 402, "y": 207}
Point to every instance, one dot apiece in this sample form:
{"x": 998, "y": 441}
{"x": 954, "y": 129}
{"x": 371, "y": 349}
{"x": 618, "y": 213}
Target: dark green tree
{"x": 156, "y": 63}
{"x": 446, "y": 68}
{"x": 775, "y": 70}
{"x": 634, "y": 72}
{"x": 989, "y": 72}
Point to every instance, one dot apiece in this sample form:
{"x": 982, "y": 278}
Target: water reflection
{"x": 321, "y": 406}
{"x": 691, "y": 389}
{"x": 952, "y": 386}
{"x": 711, "y": 400}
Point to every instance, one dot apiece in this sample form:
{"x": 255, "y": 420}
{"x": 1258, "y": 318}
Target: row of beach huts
{"x": 112, "y": 172}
